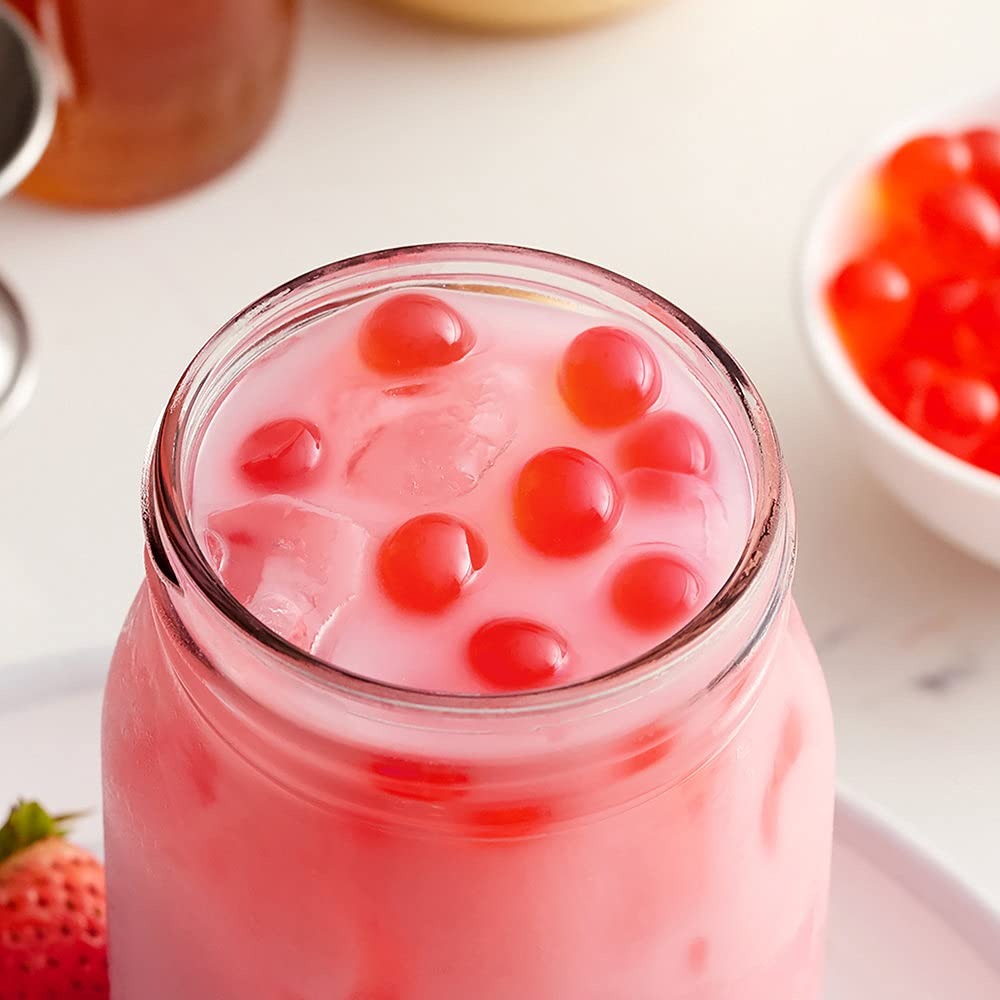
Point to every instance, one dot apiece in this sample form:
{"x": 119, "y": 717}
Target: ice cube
{"x": 292, "y": 565}
{"x": 697, "y": 515}
{"x": 282, "y": 614}
{"x": 429, "y": 441}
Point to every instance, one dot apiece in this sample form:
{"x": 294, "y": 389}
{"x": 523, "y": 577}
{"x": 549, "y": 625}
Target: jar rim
{"x": 170, "y": 535}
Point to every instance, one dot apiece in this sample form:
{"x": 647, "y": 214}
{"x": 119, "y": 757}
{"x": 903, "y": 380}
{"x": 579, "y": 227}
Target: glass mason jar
{"x": 279, "y": 827}
{"x": 156, "y": 97}
{"x": 507, "y": 15}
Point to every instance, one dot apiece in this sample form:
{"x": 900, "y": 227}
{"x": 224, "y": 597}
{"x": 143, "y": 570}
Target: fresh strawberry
{"x": 53, "y": 944}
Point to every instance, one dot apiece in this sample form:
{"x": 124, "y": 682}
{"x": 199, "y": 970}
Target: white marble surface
{"x": 681, "y": 147}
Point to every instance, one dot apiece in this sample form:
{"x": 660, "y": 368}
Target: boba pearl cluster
{"x": 917, "y": 302}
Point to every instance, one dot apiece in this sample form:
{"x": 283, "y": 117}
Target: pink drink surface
{"x": 297, "y": 530}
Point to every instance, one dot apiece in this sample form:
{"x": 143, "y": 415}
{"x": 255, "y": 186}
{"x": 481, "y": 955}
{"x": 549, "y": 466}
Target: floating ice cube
{"x": 284, "y": 615}
{"x": 432, "y": 439}
{"x": 695, "y": 516}
{"x": 293, "y": 566}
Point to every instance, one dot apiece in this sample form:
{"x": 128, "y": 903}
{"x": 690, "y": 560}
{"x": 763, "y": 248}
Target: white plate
{"x": 901, "y": 927}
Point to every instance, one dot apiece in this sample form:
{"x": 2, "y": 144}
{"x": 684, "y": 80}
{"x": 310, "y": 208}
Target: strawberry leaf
{"x": 29, "y": 823}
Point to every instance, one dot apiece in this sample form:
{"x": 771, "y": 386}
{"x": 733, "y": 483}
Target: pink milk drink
{"x": 465, "y": 665}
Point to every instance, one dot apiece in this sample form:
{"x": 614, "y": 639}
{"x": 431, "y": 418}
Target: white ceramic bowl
{"x": 957, "y": 500}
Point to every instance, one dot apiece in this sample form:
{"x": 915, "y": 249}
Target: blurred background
{"x": 683, "y": 145}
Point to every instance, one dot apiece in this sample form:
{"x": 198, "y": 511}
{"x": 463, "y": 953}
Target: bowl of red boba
{"x": 900, "y": 297}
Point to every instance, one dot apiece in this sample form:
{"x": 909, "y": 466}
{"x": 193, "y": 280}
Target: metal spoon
{"x": 16, "y": 367}
{"x": 27, "y": 99}
{"x": 27, "y": 116}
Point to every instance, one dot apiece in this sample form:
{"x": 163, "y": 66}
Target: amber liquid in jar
{"x": 156, "y": 96}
